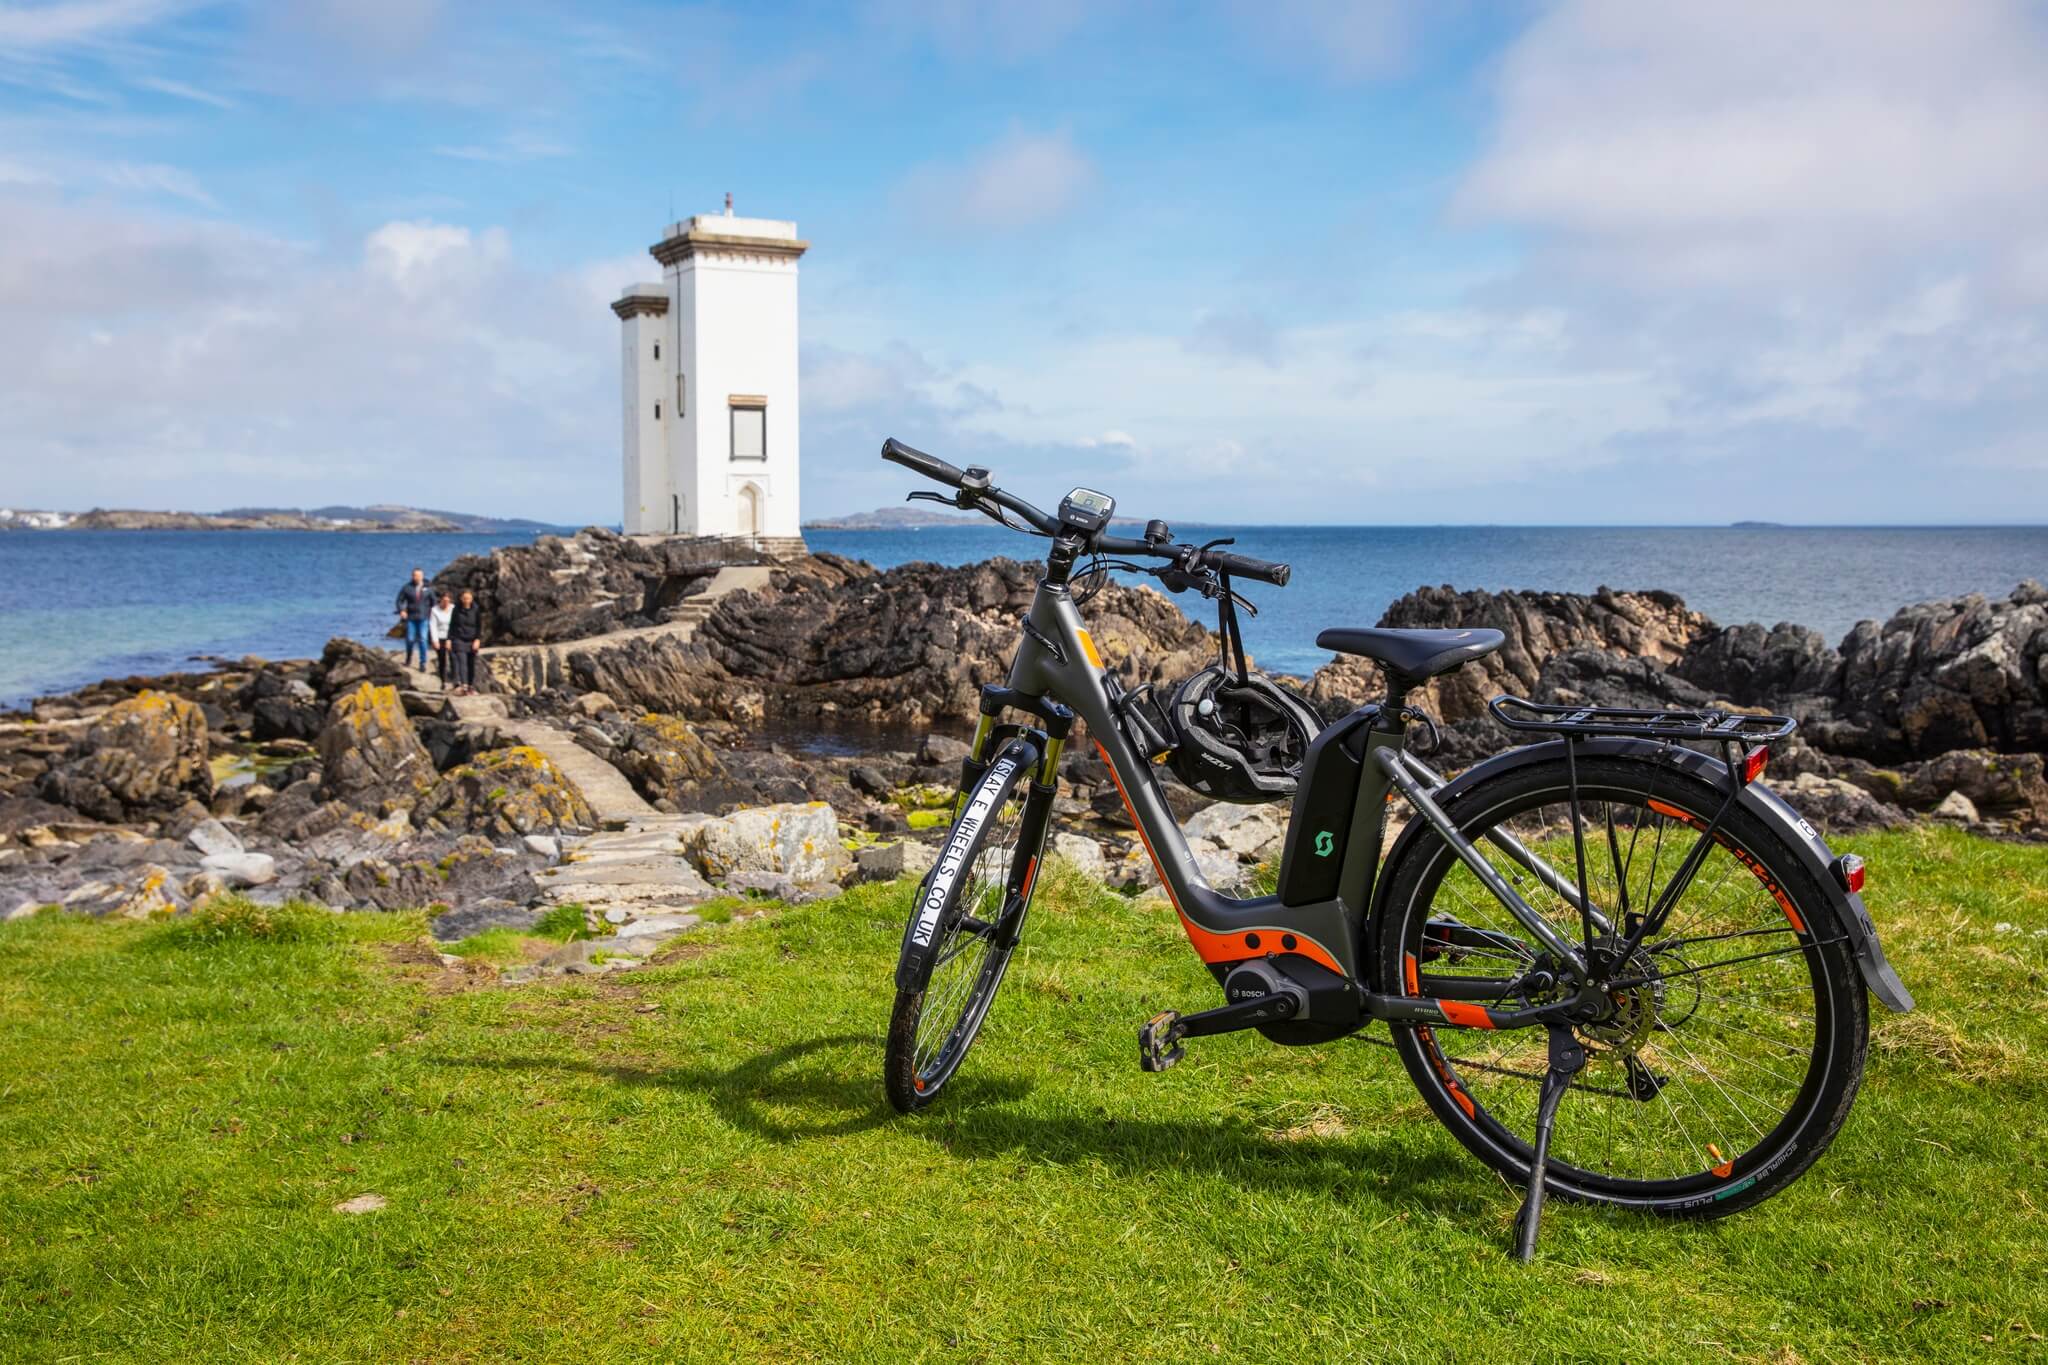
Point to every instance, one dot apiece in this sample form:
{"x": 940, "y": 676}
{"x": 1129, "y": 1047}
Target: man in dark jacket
{"x": 415, "y": 605}
{"x": 465, "y": 641}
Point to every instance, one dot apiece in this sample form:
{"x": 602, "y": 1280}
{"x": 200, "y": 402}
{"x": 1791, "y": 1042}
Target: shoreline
{"x": 658, "y": 749}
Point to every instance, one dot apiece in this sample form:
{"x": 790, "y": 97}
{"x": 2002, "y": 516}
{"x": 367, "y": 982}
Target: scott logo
{"x": 1325, "y": 843}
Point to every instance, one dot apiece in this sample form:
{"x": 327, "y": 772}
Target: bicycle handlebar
{"x": 1237, "y": 566}
{"x": 1244, "y": 566}
{"x": 976, "y": 488}
{"x": 931, "y": 466}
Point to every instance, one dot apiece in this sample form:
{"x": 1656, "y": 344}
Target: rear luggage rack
{"x": 1727, "y": 727}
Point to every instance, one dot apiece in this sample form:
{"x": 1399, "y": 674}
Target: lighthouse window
{"x": 749, "y": 430}
{"x": 657, "y": 350}
{"x": 657, "y": 412}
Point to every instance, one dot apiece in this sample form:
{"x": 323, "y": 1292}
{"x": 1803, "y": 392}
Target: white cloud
{"x": 1023, "y": 180}
{"x": 510, "y": 150}
{"x": 159, "y": 361}
{"x": 157, "y": 179}
{"x": 183, "y": 91}
{"x": 69, "y": 22}
{"x": 1749, "y": 140}
{"x": 403, "y": 252}
{"x": 1815, "y": 224}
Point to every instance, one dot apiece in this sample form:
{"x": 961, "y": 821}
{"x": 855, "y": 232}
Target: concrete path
{"x": 610, "y": 795}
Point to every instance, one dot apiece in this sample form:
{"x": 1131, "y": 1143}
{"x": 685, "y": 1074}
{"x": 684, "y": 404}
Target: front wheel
{"x": 963, "y": 928}
{"x": 1737, "y": 1033}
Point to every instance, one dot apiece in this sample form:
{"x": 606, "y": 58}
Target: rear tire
{"x": 939, "y": 1010}
{"x": 1718, "y": 1082}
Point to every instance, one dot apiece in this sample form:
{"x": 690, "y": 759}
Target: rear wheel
{"x": 1737, "y": 1034}
{"x": 963, "y": 929}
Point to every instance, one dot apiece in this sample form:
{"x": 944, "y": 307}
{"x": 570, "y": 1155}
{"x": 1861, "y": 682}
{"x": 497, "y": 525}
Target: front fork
{"x": 1051, "y": 741}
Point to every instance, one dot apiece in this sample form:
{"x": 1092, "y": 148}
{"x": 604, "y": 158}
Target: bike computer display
{"x": 1084, "y": 509}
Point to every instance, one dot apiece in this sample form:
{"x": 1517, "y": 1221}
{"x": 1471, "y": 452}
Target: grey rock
{"x": 593, "y": 705}
{"x": 868, "y": 780}
{"x": 1959, "y": 808}
{"x": 801, "y": 841}
{"x": 241, "y": 869}
{"x": 879, "y": 862}
{"x": 941, "y": 751}
{"x": 918, "y": 858}
{"x": 773, "y": 885}
{"x": 212, "y": 837}
{"x": 546, "y": 845}
{"x": 461, "y": 922}
{"x": 1084, "y": 853}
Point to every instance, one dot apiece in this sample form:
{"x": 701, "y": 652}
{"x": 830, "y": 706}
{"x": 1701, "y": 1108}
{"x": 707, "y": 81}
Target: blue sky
{"x": 1588, "y": 261}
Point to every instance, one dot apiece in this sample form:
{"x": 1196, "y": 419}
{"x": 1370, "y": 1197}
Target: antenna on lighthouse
{"x": 728, "y": 203}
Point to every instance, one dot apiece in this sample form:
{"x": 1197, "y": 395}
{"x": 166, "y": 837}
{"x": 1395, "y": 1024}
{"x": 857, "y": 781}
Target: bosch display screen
{"x": 1087, "y": 509}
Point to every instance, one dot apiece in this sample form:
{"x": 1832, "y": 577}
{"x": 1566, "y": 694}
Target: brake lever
{"x": 925, "y": 495}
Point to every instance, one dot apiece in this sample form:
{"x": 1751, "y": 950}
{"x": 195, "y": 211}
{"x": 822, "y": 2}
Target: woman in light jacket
{"x": 437, "y": 634}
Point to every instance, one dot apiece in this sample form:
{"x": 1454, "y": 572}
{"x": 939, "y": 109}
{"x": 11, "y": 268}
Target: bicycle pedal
{"x": 1159, "y": 1041}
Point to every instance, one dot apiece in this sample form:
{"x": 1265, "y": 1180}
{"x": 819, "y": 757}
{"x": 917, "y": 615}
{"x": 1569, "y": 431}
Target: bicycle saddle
{"x": 1413, "y": 655}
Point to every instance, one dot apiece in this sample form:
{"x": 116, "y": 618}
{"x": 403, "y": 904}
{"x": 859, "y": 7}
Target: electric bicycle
{"x": 1617, "y": 911}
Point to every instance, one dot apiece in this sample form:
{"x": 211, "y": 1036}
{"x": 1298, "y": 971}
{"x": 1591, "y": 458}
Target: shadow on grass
{"x": 798, "y": 1092}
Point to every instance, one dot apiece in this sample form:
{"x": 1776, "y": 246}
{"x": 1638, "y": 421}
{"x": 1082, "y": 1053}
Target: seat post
{"x": 1397, "y": 698}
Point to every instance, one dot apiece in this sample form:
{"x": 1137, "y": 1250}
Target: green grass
{"x": 491, "y": 945}
{"x": 694, "y": 1160}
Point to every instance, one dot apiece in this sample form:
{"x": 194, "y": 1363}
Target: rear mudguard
{"x": 1765, "y": 804}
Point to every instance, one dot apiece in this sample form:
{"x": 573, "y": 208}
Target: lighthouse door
{"x": 750, "y": 510}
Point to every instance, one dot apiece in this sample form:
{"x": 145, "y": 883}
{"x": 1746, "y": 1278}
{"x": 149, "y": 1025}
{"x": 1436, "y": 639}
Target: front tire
{"x": 963, "y": 928}
{"x": 1721, "y": 1078}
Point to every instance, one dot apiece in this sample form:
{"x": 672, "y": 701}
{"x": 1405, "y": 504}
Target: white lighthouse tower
{"x": 709, "y": 377}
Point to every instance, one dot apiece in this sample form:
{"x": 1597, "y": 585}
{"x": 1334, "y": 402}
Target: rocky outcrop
{"x": 514, "y": 790}
{"x": 145, "y": 757}
{"x": 347, "y": 664}
{"x": 1963, "y": 673}
{"x": 369, "y": 750}
{"x": 571, "y": 587}
{"x": 1946, "y": 697}
{"x": 830, "y": 640}
{"x": 662, "y": 756}
{"x": 1654, "y": 626}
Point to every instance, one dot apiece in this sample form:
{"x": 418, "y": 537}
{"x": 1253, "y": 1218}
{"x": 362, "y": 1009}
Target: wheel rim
{"x": 1704, "y": 1064}
{"x": 966, "y": 961}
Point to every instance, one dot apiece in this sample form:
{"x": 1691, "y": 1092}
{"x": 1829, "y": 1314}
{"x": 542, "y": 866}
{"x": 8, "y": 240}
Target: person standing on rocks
{"x": 415, "y": 605}
{"x": 437, "y": 634}
{"x": 465, "y": 641}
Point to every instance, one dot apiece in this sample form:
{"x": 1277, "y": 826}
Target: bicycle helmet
{"x": 1239, "y": 737}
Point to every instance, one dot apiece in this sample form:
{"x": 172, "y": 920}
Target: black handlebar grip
{"x": 931, "y": 466}
{"x": 1243, "y": 566}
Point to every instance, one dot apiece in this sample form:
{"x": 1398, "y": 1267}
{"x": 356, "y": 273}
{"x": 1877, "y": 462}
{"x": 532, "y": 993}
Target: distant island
{"x": 892, "y": 519}
{"x": 1756, "y": 525}
{"x": 377, "y": 517}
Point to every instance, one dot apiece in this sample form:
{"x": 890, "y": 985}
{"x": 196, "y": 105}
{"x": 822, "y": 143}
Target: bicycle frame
{"x": 1057, "y": 660}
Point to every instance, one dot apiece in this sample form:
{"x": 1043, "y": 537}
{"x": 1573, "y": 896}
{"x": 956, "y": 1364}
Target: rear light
{"x": 1849, "y": 872}
{"x": 1753, "y": 763}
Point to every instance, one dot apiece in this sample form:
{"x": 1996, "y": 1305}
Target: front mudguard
{"x": 1762, "y": 802}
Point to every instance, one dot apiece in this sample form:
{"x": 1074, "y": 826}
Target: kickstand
{"x": 1566, "y": 1058}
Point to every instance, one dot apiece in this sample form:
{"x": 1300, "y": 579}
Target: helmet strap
{"x": 1232, "y": 640}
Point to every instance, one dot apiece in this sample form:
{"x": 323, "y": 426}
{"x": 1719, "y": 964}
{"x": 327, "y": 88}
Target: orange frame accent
{"x": 1209, "y": 945}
